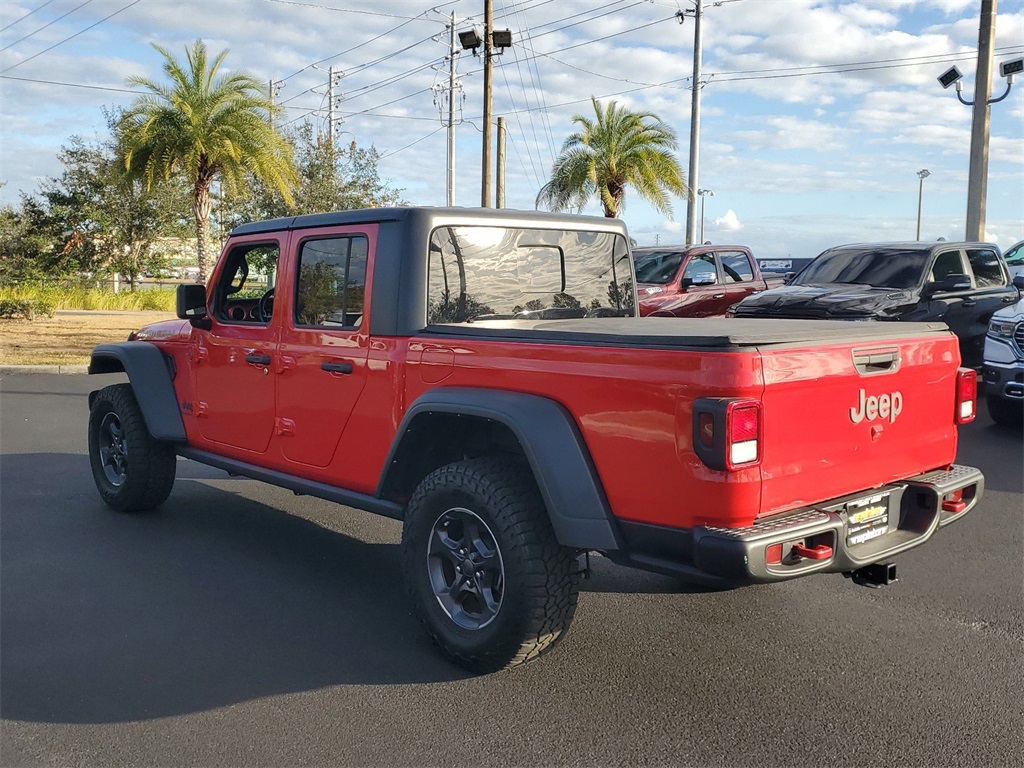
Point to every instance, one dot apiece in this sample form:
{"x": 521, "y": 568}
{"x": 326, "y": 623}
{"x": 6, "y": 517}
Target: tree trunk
{"x": 201, "y": 209}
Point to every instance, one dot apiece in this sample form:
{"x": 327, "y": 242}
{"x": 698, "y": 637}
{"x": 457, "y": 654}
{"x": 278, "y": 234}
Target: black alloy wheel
{"x": 465, "y": 568}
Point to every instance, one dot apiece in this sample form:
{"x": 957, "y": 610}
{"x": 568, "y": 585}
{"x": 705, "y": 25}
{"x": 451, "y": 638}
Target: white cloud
{"x": 729, "y": 222}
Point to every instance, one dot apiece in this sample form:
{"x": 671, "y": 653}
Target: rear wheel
{"x": 133, "y": 472}
{"x": 1007, "y": 412}
{"x": 488, "y": 580}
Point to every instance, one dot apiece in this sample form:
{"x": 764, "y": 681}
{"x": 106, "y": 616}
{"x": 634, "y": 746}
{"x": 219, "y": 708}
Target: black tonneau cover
{"x": 681, "y": 332}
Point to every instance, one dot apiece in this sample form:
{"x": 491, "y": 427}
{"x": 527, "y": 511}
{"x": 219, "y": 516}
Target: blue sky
{"x": 817, "y": 114}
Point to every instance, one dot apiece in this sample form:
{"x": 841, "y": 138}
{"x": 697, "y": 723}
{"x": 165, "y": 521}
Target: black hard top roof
{"x": 477, "y": 216}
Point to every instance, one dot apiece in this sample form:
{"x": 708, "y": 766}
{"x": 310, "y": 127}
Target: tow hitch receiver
{"x": 876, "y": 575}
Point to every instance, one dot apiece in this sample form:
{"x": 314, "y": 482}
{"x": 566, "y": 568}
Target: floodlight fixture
{"x": 501, "y": 38}
{"x": 1010, "y": 68}
{"x": 950, "y": 76}
{"x": 470, "y": 39}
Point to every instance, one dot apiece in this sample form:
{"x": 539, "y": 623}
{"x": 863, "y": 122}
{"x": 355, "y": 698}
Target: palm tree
{"x": 620, "y": 148}
{"x": 204, "y": 124}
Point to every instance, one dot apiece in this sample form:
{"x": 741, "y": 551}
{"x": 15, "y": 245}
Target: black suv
{"x": 961, "y": 284}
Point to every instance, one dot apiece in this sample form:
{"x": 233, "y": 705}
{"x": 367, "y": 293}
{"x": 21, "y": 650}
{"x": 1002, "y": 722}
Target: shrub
{"x": 26, "y": 308}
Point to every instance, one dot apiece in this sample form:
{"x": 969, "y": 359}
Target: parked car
{"x": 1014, "y": 256}
{"x": 961, "y": 284}
{"x": 1003, "y": 371}
{"x": 483, "y": 377}
{"x": 695, "y": 281}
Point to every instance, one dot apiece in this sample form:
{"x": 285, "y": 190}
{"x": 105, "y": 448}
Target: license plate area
{"x": 867, "y": 519}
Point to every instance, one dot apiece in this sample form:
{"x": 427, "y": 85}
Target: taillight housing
{"x": 966, "y": 395}
{"x": 727, "y": 432}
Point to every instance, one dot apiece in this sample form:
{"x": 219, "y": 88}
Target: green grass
{"x": 92, "y": 298}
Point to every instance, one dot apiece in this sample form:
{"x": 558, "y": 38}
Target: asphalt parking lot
{"x": 243, "y": 625}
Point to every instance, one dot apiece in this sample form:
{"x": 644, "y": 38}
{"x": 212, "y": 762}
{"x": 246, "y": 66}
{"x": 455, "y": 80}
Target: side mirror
{"x": 949, "y": 284}
{"x": 1018, "y": 282}
{"x": 704, "y": 278}
{"x": 190, "y": 302}
{"x": 788, "y": 278}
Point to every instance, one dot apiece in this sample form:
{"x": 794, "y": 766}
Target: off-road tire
{"x": 540, "y": 577}
{"x": 146, "y": 466}
{"x": 1009, "y": 413}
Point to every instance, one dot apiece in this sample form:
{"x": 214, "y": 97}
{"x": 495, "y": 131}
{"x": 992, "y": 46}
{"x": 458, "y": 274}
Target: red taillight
{"x": 773, "y": 554}
{"x": 727, "y": 432}
{"x": 966, "y": 395}
{"x": 743, "y": 426}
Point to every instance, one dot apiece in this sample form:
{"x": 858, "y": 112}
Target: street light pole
{"x": 703, "y": 193}
{"x": 692, "y": 180}
{"x": 923, "y": 174}
{"x": 977, "y": 178}
{"x": 485, "y": 186}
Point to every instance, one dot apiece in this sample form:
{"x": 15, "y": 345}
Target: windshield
{"x": 657, "y": 267}
{"x": 498, "y": 273}
{"x": 1015, "y": 255}
{"x": 900, "y": 268}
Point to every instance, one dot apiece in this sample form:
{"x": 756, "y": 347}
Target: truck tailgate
{"x": 846, "y": 417}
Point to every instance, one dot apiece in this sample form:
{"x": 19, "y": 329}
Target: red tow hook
{"x": 820, "y": 552}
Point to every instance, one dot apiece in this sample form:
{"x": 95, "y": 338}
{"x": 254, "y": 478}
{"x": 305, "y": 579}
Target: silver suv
{"x": 1003, "y": 370}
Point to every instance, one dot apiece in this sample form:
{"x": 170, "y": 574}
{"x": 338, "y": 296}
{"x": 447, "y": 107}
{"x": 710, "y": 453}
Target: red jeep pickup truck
{"x": 482, "y": 376}
{"x": 696, "y": 280}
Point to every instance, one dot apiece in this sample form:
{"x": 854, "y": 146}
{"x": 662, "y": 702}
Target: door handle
{"x": 719, "y": 296}
{"x": 258, "y": 359}
{"x": 1010, "y": 299}
{"x": 345, "y": 367}
{"x": 969, "y": 302}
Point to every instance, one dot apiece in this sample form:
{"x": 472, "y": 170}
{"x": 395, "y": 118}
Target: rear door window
{"x": 736, "y": 267}
{"x": 988, "y": 272}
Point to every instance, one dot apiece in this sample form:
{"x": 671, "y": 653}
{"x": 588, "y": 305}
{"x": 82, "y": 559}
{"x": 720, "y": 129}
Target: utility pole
{"x": 692, "y": 179}
{"x": 273, "y": 88}
{"x": 485, "y": 186}
{"x": 977, "y": 179}
{"x": 330, "y": 105}
{"x": 500, "y": 192}
{"x": 453, "y": 51}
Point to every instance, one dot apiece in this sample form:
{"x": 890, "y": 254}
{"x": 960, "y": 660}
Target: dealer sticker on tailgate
{"x": 867, "y": 519}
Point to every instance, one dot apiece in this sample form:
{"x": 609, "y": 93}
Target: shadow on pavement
{"x": 211, "y": 600}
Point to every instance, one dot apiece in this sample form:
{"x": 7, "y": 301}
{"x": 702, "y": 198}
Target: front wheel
{"x": 488, "y": 580}
{"x": 133, "y": 472}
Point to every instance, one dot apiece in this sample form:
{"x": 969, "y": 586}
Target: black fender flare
{"x": 554, "y": 447}
{"x": 151, "y": 381}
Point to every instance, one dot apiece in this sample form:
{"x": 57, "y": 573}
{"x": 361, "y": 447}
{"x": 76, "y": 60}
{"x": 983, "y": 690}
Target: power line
{"x": 357, "y": 10}
{"x": 72, "y": 37}
{"x": 422, "y": 138}
{"x": 70, "y": 85}
{"x": 40, "y": 29}
{"x": 4, "y": 29}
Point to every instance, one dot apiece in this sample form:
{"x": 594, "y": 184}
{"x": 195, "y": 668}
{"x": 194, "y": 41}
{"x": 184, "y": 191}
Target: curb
{"x": 14, "y": 370}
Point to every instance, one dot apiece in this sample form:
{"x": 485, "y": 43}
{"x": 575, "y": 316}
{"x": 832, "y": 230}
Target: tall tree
{"x": 109, "y": 221}
{"x": 331, "y": 177}
{"x": 206, "y": 124}
{"x": 615, "y": 149}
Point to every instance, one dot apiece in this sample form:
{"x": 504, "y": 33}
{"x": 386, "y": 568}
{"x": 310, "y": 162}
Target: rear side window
{"x": 988, "y": 273}
{"x": 736, "y": 267}
{"x": 498, "y": 273}
{"x": 331, "y": 283}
